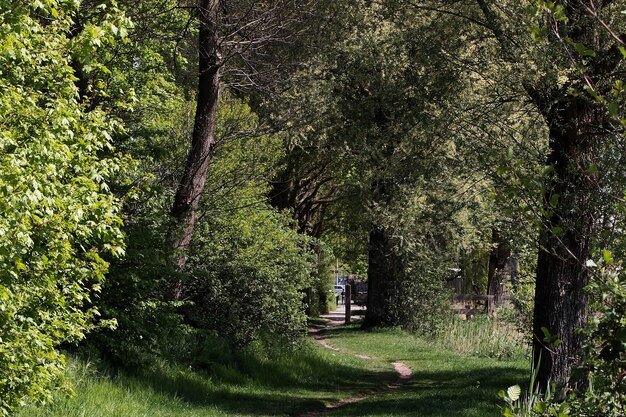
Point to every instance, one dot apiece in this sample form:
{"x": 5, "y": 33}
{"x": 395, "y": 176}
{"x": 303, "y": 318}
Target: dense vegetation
{"x": 251, "y": 383}
{"x": 179, "y": 177}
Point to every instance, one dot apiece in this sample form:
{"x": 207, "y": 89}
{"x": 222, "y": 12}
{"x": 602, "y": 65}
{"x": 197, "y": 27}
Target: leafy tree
{"x": 577, "y": 127}
{"x": 59, "y": 220}
{"x": 365, "y": 168}
{"x": 226, "y": 35}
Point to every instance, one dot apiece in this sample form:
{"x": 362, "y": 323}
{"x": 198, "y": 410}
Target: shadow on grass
{"x": 444, "y": 383}
{"x": 252, "y": 386}
{"x": 469, "y": 393}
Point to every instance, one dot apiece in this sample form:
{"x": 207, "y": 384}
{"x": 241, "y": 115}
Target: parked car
{"x": 338, "y": 290}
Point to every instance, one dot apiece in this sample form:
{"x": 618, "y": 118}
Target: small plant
{"x": 535, "y": 403}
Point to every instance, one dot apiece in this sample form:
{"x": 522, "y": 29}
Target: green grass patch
{"x": 258, "y": 383}
{"x": 252, "y": 384}
{"x": 444, "y": 382}
{"x": 485, "y": 337}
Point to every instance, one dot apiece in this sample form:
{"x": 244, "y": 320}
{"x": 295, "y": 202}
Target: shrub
{"x": 249, "y": 278}
{"x": 57, "y": 217}
{"x": 604, "y": 360}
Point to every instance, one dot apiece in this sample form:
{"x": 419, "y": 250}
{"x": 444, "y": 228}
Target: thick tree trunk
{"x": 192, "y": 183}
{"x": 560, "y": 302}
{"x": 377, "y": 269}
{"x": 381, "y": 271}
{"x": 576, "y": 125}
{"x": 496, "y": 278}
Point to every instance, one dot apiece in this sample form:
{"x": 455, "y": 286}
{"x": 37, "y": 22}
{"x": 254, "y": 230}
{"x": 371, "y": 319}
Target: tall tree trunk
{"x": 576, "y": 125}
{"x": 496, "y": 277}
{"x": 378, "y": 269}
{"x": 560, "y": 303}
{"x": 192, "y": 183}
{"x": 384, "y": 267}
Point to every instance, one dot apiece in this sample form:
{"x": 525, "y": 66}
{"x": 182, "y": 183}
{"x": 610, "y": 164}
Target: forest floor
{"x": 382, "y": 373}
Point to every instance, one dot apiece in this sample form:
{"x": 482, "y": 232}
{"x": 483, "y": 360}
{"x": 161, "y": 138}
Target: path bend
{"x": 404, "y": 375}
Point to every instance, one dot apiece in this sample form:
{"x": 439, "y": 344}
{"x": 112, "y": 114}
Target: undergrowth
{"x": 484, "y": 337}
{"x": 254, "y": 382}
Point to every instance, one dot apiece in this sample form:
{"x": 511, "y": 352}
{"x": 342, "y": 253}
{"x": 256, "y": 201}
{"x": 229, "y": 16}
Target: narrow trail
{"x": 404, "y": 373}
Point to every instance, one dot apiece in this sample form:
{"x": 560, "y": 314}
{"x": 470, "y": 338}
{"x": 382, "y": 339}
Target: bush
{"x": 57, "y": 218}
{"x": 418, "y": 299}
{"x": 249, "y": 278}
{"x": 604, "y": 361}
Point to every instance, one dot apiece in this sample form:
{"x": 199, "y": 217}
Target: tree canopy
{"x": 179, "y": 173}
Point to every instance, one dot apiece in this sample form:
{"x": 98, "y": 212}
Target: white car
{"x": 338, "y": 290}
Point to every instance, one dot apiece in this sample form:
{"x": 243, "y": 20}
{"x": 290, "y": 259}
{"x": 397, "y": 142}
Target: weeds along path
{"x": 403, "y": 371}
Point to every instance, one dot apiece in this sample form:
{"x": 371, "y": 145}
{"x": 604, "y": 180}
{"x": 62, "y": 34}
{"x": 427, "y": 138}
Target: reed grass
{"x": 484, "y": 337}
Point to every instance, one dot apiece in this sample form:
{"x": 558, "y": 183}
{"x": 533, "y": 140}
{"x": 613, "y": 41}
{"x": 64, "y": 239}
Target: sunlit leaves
{"x": 57, "y": 219}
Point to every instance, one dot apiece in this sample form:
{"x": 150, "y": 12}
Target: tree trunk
{"x": 192, "y": 183}
{"x": 496, "y": 277}
{"x": 514, "y": 270}
{"x": 376, "y": 278}
{"x": 560, "y": 302}
{"x": 381, "y": 270}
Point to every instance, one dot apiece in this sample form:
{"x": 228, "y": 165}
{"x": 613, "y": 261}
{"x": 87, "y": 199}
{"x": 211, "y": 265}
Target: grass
{"x": 444, "y": 383}
{"x": 485, "y": 337}
{"x": 252, "y": 385}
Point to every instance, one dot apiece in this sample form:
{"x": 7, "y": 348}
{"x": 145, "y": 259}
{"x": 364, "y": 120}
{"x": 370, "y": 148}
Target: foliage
{"x": 249, "y": 279}
{"x": 137, "y": 293}
{"x": 58, "y": 219}
{"x": 320, "y": 294}
{"x": 483, "y": 337}
{"x": 418, "y": 299}
{"x": 534, "y": 403}
{"x": 604, "y": 360}
{"x": 371, "y": 114}
{"x": 247, "y": 266}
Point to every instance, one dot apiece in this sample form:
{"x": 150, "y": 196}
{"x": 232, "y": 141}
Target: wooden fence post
{"x": 347, "y": 303}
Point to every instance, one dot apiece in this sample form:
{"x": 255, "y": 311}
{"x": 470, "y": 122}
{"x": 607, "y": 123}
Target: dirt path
{"x": 404, "y": 373}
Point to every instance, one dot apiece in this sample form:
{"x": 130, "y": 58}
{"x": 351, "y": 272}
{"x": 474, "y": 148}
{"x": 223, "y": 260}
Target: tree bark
{"x": 496, "y": 277}
{"x": 192, "y": 183}
{"x": 377, "y": 270}
{"x": 382, "y": 268}
{"x": 560, "y": 302}
{"x": 576, "y": 126}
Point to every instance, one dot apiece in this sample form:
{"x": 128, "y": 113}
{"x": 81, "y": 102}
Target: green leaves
{"x": 551, "y": 340}
{"x": 583, "y": 51}
{"x": 57, "y": 219}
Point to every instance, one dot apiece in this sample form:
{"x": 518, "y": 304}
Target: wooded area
{"x": 181, "y": 176}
